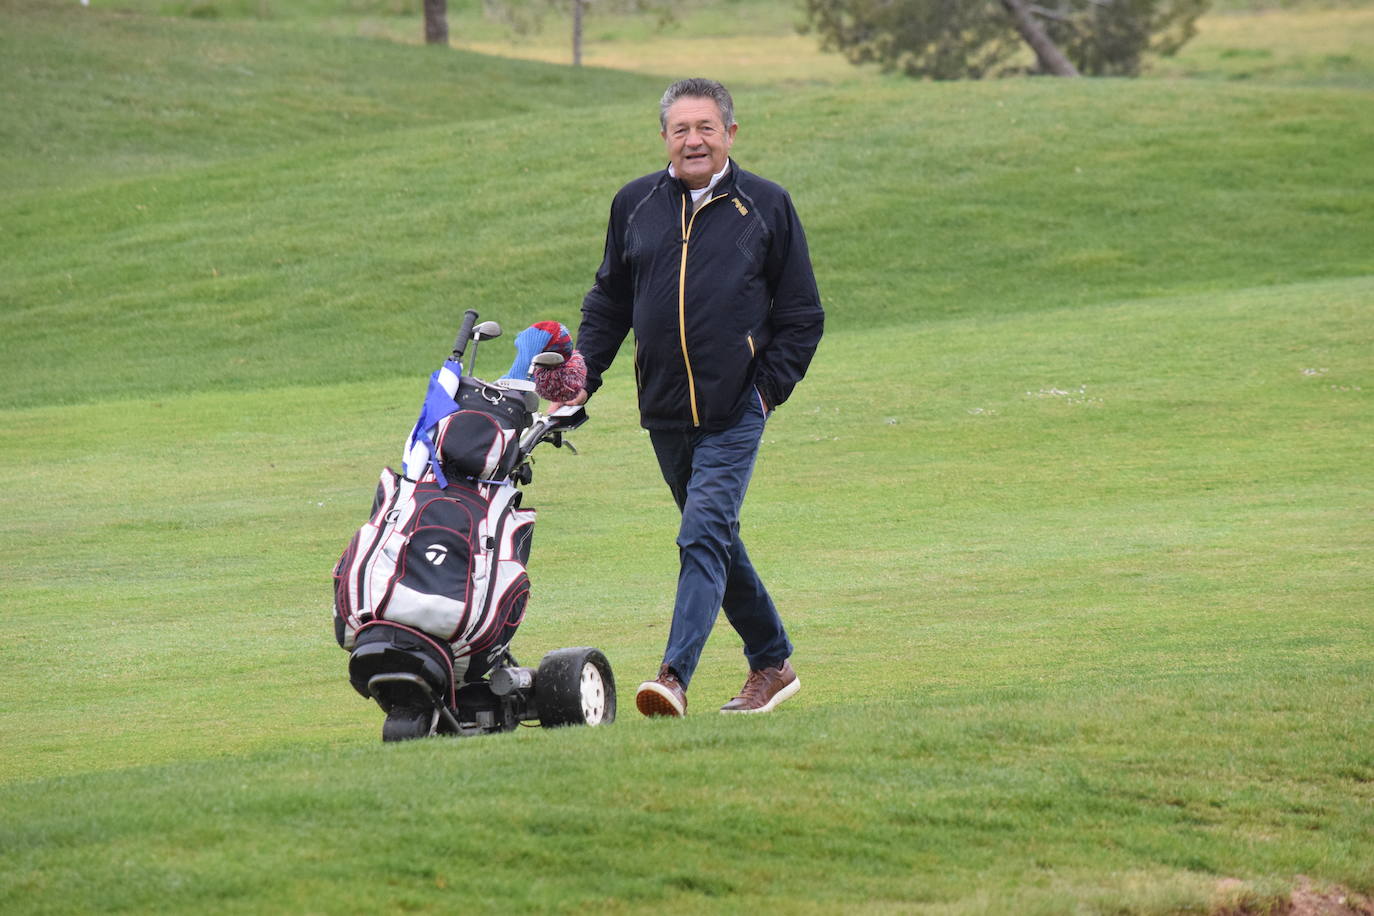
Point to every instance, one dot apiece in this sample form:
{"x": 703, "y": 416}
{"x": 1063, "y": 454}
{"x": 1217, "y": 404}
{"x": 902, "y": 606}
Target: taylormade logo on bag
{"x": 436, "y": 554}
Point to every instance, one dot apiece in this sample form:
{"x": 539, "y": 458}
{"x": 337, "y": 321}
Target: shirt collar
{"x": 710, "y": 186}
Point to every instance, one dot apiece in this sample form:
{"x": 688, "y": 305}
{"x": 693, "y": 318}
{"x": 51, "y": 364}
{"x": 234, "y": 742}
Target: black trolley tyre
{"x": 408, "y": 723}
{"x": 575, "y": 687}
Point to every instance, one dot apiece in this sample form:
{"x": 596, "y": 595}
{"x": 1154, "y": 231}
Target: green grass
{"x": 1104, "y": 646}
{"x": 1331, "y": 47}
{"x": 1070, "y": 521}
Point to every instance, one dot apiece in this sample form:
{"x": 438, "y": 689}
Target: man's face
{"x": 698, "y": 141}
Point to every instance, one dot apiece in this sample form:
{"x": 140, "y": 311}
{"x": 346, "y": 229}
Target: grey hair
{"x": 697, "y": 88}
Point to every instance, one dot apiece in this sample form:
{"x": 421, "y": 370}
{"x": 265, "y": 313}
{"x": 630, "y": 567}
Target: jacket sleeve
{"x": 796, "y": 318}
{"x": 608, "y": 307}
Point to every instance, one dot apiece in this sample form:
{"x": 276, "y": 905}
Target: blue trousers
{"x": 708, "y": 474}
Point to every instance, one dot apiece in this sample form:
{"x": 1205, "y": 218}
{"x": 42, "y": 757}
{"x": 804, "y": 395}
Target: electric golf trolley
{"x": 429, "y": 592}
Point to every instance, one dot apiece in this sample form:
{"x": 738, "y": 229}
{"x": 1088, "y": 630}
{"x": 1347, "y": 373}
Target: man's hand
{"x": 579, "y": 398}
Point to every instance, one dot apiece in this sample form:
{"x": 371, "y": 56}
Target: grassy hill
{"x": 1070, "y": 521}
{"x": 215, "y": 256}
{"x": 100, "y": 93}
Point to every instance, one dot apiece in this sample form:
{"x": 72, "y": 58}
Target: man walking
{"x": 708, "y": 265}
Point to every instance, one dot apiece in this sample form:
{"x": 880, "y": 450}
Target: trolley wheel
{"x": 405, "y": 723}
{"x": 575, "y": 687}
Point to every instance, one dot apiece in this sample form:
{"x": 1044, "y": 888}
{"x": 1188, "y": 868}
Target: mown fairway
{"x": 1071, "y": 521}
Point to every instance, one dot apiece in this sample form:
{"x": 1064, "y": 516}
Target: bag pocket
{"x": 433, "y": 586}
{"x": 508, "y": 606}
{"x": 476, "y": 445}
{"x": 432, "y": 591}
{"x": 351, "y": 603}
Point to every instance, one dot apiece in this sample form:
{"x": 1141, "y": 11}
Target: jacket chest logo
{"x": 743, "y": 210}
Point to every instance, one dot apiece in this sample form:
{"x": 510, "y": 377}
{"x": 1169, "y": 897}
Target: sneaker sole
{"x": 789, "y": 691}
{"x": 653, "y": 699}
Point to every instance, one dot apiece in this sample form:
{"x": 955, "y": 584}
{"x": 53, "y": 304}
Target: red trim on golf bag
{"x": 510, "y": 612}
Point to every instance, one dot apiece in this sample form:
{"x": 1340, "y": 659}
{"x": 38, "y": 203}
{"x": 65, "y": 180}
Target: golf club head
{"x": 548, "y": 360}
{"x": 486, "y": 330}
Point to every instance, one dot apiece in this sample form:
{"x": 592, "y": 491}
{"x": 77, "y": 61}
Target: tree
{"x": 1111, "y": 37}
{"x": 1051, "y": 59}
{"x": 955, "y": 39}
{"x": 436, "y": 22}
{"x": 577, "y": 6}
{"x": 525, "y": 17}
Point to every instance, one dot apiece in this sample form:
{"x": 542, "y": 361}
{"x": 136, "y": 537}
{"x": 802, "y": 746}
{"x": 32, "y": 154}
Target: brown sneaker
{"x": 765, "y": 689}
{"x": 663, "y": 696}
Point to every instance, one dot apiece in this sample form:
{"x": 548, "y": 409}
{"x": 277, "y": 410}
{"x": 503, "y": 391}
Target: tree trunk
{"x": 577, "y": 32}
{"x": 436, "y": 22}
{"x": 1052, "y": 60}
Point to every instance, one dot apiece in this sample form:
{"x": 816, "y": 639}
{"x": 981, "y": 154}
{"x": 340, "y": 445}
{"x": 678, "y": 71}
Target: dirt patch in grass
{"x": 1306, "y": 900}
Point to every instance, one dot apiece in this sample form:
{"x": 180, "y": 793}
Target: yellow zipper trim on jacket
{"x": 682, "y": 302}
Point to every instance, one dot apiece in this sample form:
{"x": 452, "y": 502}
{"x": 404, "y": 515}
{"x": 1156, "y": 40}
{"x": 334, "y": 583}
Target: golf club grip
{"x": 464, "y": 334}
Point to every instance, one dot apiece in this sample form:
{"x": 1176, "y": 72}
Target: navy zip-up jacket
{"x": 721, "y": 302}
